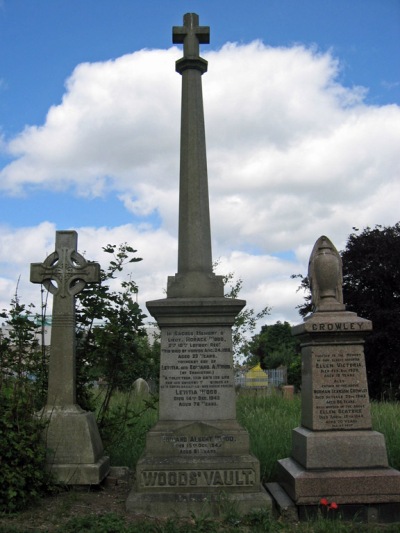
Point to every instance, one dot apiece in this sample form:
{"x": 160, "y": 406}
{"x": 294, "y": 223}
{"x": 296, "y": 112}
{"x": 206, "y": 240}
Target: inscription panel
{"x": 196, "y": 374}
{"x": 227, "y": 477}
{"x": 337, "y": 393}
{"x": 199, "y": 445}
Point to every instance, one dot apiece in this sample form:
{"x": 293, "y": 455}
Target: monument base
{"x": 186, "y": 504}
{"x": 196, "y": 467}
{"x": 355, "y": 449}
{"x": 343, "y": 486}
{"x": 81, "y": 474}
{"x": 74, "y": 447}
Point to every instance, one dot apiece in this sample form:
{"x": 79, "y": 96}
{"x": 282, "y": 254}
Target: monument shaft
{"x": 197, "y": 449}
{"x": 194, "y": 276}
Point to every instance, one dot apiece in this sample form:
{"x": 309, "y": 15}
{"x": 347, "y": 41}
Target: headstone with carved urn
{"x": 197, "y": 457}
{"x": 75, "y": 451}
{"x": 335, "y": 453}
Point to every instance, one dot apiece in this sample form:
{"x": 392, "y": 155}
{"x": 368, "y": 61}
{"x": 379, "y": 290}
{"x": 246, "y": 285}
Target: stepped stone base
{"x": 75, "y": 451}
{"x": 339, "y": 449}
{"x": 196, "y": 467}
{"x": 344, "y": 486}
{"x": 81, "y": 474}
{"x": 185, "y": 504}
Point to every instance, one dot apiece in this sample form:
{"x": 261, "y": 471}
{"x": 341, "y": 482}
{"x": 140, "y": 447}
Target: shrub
{"x": 22, "y": 456}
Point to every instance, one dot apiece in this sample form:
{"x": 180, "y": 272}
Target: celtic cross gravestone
{"x": 75, "y": 450}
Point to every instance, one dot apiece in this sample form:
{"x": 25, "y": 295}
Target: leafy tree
{"x": 22, "y": 374}
{"x": 112, "y": 340}
{"x": 23, "y": 361}
{"x": 371, "y": 288}
{"x": 274, "y": 346}
{"x": 246, "y": 320}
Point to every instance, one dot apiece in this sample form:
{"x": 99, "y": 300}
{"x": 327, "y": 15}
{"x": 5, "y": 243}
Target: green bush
{"x": 22, "y": 456}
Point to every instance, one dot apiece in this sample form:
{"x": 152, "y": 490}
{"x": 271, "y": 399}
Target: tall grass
{"x": 269, "y": 421}
{"x": 386, "y": 420}
{"x": 130, "y": 417}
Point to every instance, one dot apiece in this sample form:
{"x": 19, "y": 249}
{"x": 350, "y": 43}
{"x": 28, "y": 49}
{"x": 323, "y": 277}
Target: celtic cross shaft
{"x": 64, "y": 273}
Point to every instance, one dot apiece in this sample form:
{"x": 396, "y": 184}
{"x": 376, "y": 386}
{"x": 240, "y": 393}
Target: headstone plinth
{"x": 335, "y": 453}
{"x": 75, "y": 454}
{"x": 75, "y": 451}
{"x": 197, "y": 456}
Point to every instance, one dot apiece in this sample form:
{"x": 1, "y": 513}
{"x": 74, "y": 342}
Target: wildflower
{"x": 324, "y": 502}
{"x": 333, "y": 505}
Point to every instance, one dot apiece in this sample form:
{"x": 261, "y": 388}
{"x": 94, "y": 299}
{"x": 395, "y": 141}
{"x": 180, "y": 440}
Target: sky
{"x": 301, "y": 104}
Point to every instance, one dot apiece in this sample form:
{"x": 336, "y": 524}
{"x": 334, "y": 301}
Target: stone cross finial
{"x": 191, "y": 35}
{"x": 64, "y": 273}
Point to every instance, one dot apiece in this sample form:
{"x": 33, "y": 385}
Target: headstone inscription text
{"x": 196, "y": 376}
{"x": 200, "y": 478}
{"x": 340, "y": 391}
{"x": 199, "y": 445}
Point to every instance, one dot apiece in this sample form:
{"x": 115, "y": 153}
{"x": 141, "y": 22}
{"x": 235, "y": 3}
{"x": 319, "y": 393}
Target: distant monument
{"x": 197, "y": 456}
{"x": 75, "y": 450}
{"x": 335, "y": 453}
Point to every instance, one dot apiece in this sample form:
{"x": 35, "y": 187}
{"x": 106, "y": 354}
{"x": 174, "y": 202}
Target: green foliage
{"x": 275, "y": 346}
{"x": 269, "y": 421}
{"x": 246, "y": 320}
{"x": 22, "y": 455}
{"x": 22, "y": 452}
{"x": 294, "y": 372}
{"x": 371, "y": 288}
{"x": 107, "y": 523}
{"x": 112, "y": 341}
{"x": 385, "y": 419}
{"x": 23, "y": 362}
{"x": 129, "y": 418}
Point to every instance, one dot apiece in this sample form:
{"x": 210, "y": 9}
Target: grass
{"x": 260, "y": 522}
{"x": 386, "y": 420}
{"x": 133, "y": 415}
{"x": 269, "y": 421}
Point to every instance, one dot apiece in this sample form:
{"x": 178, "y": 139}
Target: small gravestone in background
{"x": 140, "y": 387}
{"x": 197, "y": 457}
{"x": 335, "y": 453}
{"x": 75, "y": 450}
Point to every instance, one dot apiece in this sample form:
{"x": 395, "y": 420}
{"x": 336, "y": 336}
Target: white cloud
{"x": 292, "y": 155}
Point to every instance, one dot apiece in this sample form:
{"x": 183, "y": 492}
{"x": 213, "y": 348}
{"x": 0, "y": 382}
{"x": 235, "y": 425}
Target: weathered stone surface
{"x": 196, "y": 379}
{"x": 339, "y": 449}
{"x": 364, "y": 485}
{"x": 335, "y": 453}
{"x": 141, "y": 387}
{"x": 197, "y": 457}
{"x": 197, "y": 446}
{"x": 198, "y": 503}
{"x": 75, "y": 449}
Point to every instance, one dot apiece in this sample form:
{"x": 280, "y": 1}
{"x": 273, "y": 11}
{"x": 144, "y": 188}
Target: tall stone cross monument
{"x": 196, "y": 455}
{"x": 75, "y": 453}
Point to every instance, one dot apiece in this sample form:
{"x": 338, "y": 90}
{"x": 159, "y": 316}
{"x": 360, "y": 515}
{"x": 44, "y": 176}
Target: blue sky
{"x": 321, "y": 70}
